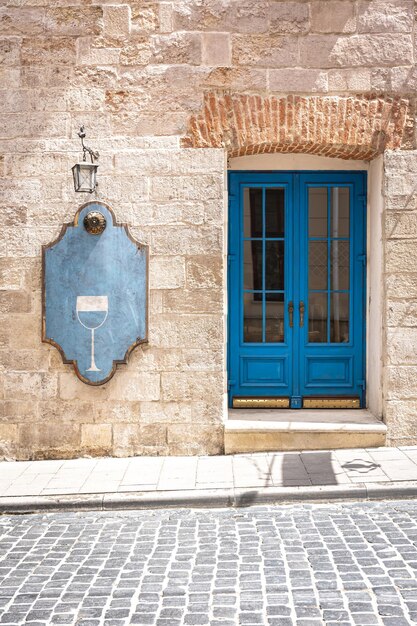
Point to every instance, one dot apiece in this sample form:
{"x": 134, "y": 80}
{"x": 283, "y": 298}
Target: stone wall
{"x": 400, "y": 316}
{"x": 137, "y": 74}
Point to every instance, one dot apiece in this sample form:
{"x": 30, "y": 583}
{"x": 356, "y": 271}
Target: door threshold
{"x": 305, "y": 416}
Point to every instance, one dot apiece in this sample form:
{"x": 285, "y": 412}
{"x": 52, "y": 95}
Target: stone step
{"x": 268, "y": 430}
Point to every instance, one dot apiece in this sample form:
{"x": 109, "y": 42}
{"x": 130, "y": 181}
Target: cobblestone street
{"x": 298, "y": 565}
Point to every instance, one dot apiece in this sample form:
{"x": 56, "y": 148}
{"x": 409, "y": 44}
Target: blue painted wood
{"x": 297, "y": 368}
{"x": 95, "y": 285}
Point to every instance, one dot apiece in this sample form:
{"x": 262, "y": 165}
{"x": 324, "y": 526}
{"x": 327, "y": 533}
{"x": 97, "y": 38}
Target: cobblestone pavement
{"x": 303, "y": 565}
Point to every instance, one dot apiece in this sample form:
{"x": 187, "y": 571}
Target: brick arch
{"x": 344, "y": 127}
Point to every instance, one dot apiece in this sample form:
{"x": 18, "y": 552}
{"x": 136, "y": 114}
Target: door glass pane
{"x": 317, "y": 269}
{"x": 339, "y": 212}
{"x": 252, "y": 211}
{"x": 339, "y": 322}
{"x": 274, "y": 318}
{"x": 252, "y": 265}
{"x": 274, "y": 265}
{"x": 340, "y": 256}
{"x": 252, "y": 323}
{"x": 317, "y": 318}
{"x": 274, "y": 212}
{"x": 317, "y": 212}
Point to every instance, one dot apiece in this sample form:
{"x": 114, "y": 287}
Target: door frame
{"x": 322, "y": 177}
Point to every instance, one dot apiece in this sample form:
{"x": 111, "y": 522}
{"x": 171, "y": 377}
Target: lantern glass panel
{"x": 85, "y": 175}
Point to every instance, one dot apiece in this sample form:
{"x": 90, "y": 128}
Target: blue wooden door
{"x": 297, "y": 286}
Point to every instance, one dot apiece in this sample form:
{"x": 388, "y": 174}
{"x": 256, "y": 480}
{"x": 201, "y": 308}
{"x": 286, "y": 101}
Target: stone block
{"x": 400, "y": 382}
{"x": 9, "y": 437}
{"x": 400, "y": 256}
{"x": 137, "y": 51}
{"x": 133, "y": 439}
{"x": 166, "y": 272}
{"x": 216, "y": 49}
{"x": 71, "y": 388}
{"x": 265, "y": 51}
{"x": 400, "y": 416}
{"x": 9, "y": 51}
{"x": 166, "y": 24}
{"x": 190, "y": 439}
{"x": 402, "y": 346}
{"x": 205, "y": 272}
{"x": 401, "y": 286}
{"x": 74, "y": 20}
{"x": 96, "y": 438}
{"x": 22, "y": 20}
{"x": 236, "y": 78}
{"x": 116, "y": 21}
{"x": 50, "y": 440}
{"x": 289, "y": 18}
{"x": 129, "y": 386}
{"x": 298, "y": 81}
{"x": 111, "y": 412}
{"x": 15, "y": 302}
{"x": 11, "y": 274}
{"x": 148, "y": 17}
{"x": 23, "y": 331}
{"x": 18, "y": 410}
{"x": 48, "y": 51}
{"x": 350, "y": 80}
{"x": 385, "y": 16}
{"x": 192, "y": 301}
{"x": 333, "y": 16}
{"x": 88, "y": 99}
{"x": 24, "y": 360}
{"x": 191, "y": 386}
{"x": 219, "y": 16}
{"x": 191, "y": 240}
{"x": 30, "y": 385}
{"x": 327, "y": 51}
{"x": 401, "y": 314}
{"x": 188, "y": 331}
{"x": 177, "y": 48}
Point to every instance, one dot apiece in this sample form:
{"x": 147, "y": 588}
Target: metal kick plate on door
{"x": 261, "y": 403}
{"x": 331, "y": 403}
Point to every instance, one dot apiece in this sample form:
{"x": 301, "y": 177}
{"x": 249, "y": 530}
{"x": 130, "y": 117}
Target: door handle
{"x": 302, "y": 309}
{"x": 291, "y": 313}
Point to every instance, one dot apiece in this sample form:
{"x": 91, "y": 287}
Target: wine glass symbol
{"x": 92, "y": 312}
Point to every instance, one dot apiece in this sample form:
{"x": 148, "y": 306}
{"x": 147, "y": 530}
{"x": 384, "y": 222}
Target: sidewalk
{"x": 238, "y": 480}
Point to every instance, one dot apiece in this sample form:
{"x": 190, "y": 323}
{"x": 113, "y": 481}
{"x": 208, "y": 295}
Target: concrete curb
{"x": 206, "y": 498}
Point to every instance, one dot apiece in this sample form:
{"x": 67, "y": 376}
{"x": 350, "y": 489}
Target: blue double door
{"x": 297, "y": 259}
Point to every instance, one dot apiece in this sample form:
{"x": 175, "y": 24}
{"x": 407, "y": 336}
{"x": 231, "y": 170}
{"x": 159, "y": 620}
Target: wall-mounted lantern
{"x": 85, "y": 174}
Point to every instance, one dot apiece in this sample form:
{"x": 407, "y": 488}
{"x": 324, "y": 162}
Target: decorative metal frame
{"x": 140, "y": 246}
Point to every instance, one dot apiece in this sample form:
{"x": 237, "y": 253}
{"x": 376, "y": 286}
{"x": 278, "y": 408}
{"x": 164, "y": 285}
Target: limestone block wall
{"x": 141, "y": 75}
{"x": 400, "y": 315}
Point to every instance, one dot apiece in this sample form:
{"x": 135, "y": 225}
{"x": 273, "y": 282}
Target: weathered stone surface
{"x": 382, "y": 16}
{"x": 9, "y": 51}
{"x": 190, "y": 439}
{"x": 96, "y": 438}
{"x": 289, "y": 17}
{"x": 264, "y": 51}
{"x": 350, "y": 80}
{"x": 116, "y": 21}
{"x": 166, "y": 272}
{"x": 30, "y": 385}
{"x": 216, "y": 49}
{"x": 190, "y": 386}
{"x": 333, "y": 16}
{"x": 73, "y": 20}
{"x": 326, "y": 51}
{"x": 298, "y": 81}
{"x": 21, "y": 20}
{"x": 401, "y": 286}
{"x": 204, "y": 272}
{"x": 135, "y": 439}
{"x": 148, "y": 17}
{"x": 401, "y": 382}
{"x": 43, "y": 440}
{"x": 48, "y": 51}
{"x": 402, "y": 346}
{"x": 401, "y": 314}
{"x": 400, "y": 256}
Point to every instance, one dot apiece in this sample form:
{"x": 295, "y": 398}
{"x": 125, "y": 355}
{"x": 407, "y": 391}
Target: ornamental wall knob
{"x": 95, "y": 223}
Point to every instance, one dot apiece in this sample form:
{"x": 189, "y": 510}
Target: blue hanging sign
{"x": 95, "y": 293}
